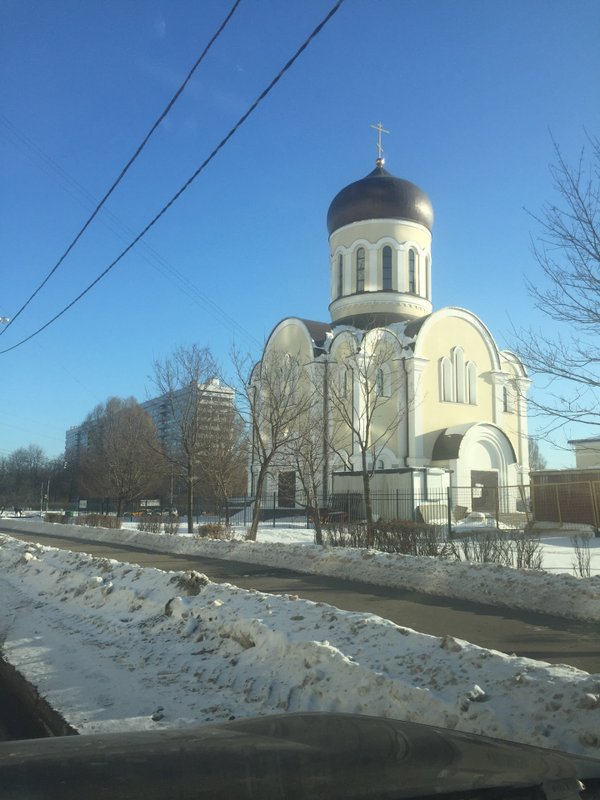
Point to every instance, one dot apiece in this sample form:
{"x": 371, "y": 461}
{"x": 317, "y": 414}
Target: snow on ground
{"x": 114, "y": 646}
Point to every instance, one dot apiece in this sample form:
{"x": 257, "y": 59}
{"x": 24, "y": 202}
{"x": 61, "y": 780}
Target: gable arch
{"x": 451, "y": 312}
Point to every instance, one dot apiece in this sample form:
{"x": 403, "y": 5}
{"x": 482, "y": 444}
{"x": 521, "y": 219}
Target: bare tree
{"x": 122, "y": 460}
{"x": 567, "y": 250}
{"x": 223, "y": 458}
{"x": 536, "y": 459}
{"x": 185, "y": 381}
{"x": 308, "y": 450}
{"x": 364, "y": 397}
{"x": 277, "y": 394}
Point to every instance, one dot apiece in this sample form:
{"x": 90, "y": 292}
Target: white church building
{"x": 455, "y": 404}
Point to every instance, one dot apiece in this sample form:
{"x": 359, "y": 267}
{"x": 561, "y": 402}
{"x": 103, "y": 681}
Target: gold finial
{"x": 380, "y": 129}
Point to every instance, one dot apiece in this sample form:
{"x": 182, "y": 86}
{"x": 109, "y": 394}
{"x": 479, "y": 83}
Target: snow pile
{"x": 537, "y": 590}
{"x": 113, "y": 646}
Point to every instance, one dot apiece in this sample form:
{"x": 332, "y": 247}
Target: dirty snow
{"x": 114, "y": 646}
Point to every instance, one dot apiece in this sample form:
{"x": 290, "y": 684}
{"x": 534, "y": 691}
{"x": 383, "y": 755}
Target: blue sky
{"x": 469, "y": 91}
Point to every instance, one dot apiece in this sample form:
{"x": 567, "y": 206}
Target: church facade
{"x": 421, "y": 398}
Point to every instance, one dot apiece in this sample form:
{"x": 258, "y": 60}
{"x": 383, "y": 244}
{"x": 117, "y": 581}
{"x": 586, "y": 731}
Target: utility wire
{"x": 113, "y": 223}
{"x": 123, "y": 172}
{"x": 190, "y": 180}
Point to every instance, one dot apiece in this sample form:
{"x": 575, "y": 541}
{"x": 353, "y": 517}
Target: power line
{"x": 113, "y": 223}
{"x": 190, "y": 180}
{"x": 125, "y": 169}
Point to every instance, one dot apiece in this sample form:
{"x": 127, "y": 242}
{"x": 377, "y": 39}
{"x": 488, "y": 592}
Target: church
{"x": 421, "y": 398}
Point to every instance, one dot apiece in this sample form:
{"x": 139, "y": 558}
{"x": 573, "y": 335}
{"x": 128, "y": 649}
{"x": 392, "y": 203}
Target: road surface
{"x": 524, "y": 633}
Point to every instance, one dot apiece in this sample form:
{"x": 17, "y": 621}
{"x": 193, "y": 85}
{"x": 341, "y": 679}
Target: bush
{"x": 149, "y": 523}
{"x": 499, "y": 547}
{"x": 98, "y": 520}
{"x": 171, "y": 524}
{"x": 389, "y": 536}
{"x": 214, "y": 530}
{"x": 91, "y": 520}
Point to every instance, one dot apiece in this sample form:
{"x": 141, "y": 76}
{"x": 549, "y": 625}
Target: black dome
{"x": 380, "y": 195}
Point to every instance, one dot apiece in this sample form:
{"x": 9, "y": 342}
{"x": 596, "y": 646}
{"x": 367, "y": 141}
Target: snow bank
{"x": 113, "y": 646}
{"x": 559, "y": 594}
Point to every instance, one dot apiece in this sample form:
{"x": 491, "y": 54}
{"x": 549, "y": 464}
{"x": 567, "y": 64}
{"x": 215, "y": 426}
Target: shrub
{"x": 171, "y": 524}
{"x": 214, "y": 530}
{"x": 98, "y": 520}
{"x": 389, "y": 536}
{"x": 499, "y": 547}
{"x": 149, "y": 523}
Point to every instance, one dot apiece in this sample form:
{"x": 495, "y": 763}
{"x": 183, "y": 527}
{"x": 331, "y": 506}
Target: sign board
{"x": 83, "y": 505}
{"x": 150, "y": 503}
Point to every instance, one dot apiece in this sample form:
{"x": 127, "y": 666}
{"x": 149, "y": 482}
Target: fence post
{"x": 274, "y": 495}
{"x": 348, "y": 503}
{"x": 558, "y": 504}
{"x": 397, "y": 503}
{"x": 497, "y": 507}
{"x": 449, "y": 494}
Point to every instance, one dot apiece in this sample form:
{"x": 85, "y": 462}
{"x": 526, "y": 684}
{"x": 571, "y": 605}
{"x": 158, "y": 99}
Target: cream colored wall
{"x": 373, "y": 235}
{"x": 374, "y": 231}
{"x": 440, "y": 337}
{"x": 290, "y": 336}
{"x": 587, "y": 454}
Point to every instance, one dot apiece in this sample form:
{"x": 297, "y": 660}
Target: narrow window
{"x": 343, "y": 382}
{"x": 340, "y": 276}
{"x": 458, "y": 357}
{"x": 446, "y": 380}
{"x": 380, "y": 382}
{"x": 360, "y": 269}
{"x": 387, "y": 268}
{"x": 506, "y": 400}
{"x": 471, "y": 383}
{"x": 412, "y": 272}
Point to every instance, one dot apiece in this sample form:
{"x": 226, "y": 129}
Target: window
{"x": 446, "y": 380}
{"x": 340, "y": 275}
{"x": 458, "y": 360}
{"x": 360, "y": 269}
{"x": 507, "y": 400}
{"x": 412, "y": 272}
{"x": 343, "y": 382}
{"x": 471, "y": 383}
{"x": 387, "y": 268}
{"x": 380, "y": 382}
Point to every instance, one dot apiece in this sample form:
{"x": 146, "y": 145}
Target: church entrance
{"x": 484, "y": 490}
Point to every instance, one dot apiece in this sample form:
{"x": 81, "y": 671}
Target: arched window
{"x": 340, "y": 275}
{"x": 343, "y": 382}
{"x": 387, "y": 268}
{"x": 427, "y": 273}
{"x": 471, "y": 383}
{"x": 446, "y": 379}
{"x": 380, "y": 464}
{"x": 380, "y": 382}
{"x": 412, "y": 271}
{"x": 507, "y": 400}
{"x": 458, "y": 359}
{"x": 360, "y": 269}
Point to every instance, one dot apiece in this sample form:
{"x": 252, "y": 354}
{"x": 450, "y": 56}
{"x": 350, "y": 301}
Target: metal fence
{"x": 504, "y": 507}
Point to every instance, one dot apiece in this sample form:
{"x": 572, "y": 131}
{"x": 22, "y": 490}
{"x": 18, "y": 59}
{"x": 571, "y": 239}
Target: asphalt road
{"x": 533, "y": 635}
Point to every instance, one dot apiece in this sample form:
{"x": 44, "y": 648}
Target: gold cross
{"x": 380, "y": 129}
